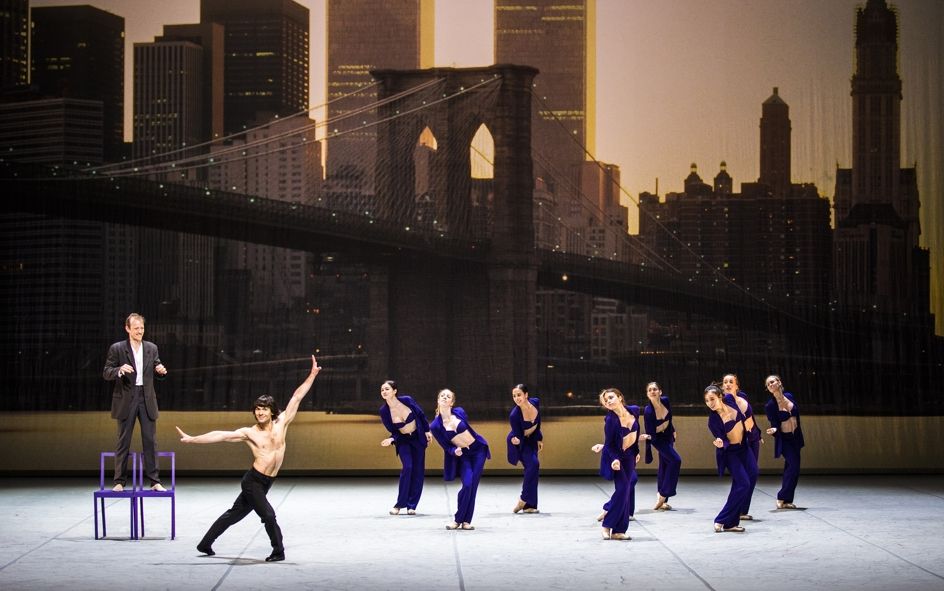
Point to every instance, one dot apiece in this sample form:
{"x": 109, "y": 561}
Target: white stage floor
{"x": 852, "y": 532}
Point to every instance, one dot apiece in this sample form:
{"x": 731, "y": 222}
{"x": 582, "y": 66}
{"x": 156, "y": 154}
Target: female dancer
{"x": 784, "y": 417}
{"x": 726, "y": 423}
{"x": 618, "y": 462}
{"x": 409, "y": 433}
{"x": 661, "y": 434}
{"x": 732, "y": 388}
{"x": 465, "y": 453}
{"x": 524, "y": 442}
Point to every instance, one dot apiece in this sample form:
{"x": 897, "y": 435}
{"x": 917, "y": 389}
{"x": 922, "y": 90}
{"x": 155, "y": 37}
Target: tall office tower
{"x": 175, "y": 269}
{"x": 209, "y": 36}
{"x": 877, "y": 258}
{"x": 14, "y": 49}
{"x": 354, "y": 49}
{"x": 79, "y": 52}
{"x": 266, "y": 64}
{"x": 559, "y": 39}
{"x": 168, "y": 99}
{"x": 775, "y": 145}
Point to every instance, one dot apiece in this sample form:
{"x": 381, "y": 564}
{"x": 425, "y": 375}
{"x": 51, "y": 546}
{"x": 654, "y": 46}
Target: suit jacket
{"x": 119, "y": 354}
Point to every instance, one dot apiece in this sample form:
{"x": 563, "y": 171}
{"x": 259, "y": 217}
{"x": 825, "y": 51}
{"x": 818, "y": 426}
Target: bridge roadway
{"x": 137, "y": 201}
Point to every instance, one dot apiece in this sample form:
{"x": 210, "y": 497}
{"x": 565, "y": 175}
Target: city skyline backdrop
{"x": 681, "y": 82}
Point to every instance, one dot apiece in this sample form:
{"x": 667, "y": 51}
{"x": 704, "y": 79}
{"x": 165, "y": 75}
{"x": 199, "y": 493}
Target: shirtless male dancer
{"x": 266, "y": 439}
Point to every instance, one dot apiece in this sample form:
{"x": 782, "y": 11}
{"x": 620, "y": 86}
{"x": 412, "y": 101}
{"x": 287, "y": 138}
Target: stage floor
{"x": 852, "y": 532}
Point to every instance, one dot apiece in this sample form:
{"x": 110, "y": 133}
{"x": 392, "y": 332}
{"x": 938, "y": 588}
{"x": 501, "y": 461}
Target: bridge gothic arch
{"x": 434, "y": 323}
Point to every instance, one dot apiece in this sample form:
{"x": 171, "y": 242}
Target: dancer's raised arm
{"x": 292, "y": 408}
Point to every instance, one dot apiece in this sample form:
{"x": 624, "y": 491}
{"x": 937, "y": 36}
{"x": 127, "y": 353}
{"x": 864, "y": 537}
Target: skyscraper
{"x": 209, "y": 36}
{"x": 558, "y": 39}
{"x": 168, "y": 97}
{"x": 775, "y": 145}
{"x": 266, "y": 64}
{"x": 354, "y": 49}
{"x": 176, "y": 270}
{"x": 14, "y": 51}
{"x": 877, "y": 258}
{"x": 79, "y": 52}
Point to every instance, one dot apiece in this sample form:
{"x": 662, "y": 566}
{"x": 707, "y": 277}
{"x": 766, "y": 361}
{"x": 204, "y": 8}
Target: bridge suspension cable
{"x": 716, "y": 271}
{"x": 206, "y": 161}
{"x": 202, "y": 158}
{"x": 231, "y": 136}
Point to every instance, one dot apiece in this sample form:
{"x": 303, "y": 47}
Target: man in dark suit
{"x": 132, "y": 364}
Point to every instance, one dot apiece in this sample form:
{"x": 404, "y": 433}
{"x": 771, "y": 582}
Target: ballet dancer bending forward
{"x": 266, "y": 439}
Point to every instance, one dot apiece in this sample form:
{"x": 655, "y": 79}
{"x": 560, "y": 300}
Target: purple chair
{"x": 141, "y": 492}
{"x": 99, "y": 496}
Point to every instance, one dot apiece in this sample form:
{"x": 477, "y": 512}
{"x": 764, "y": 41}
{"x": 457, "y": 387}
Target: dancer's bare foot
{"x": 601, "y": 516}
{"x": 519, "y": 506}
{"x": 719, "y": 527}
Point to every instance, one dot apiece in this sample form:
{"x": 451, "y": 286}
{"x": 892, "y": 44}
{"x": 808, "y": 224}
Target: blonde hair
{"x": 133, "y": 316}
{"x": 438, "y": 394}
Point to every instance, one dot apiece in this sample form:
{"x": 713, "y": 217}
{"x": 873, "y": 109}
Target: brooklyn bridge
{"x": 452, "y": 280}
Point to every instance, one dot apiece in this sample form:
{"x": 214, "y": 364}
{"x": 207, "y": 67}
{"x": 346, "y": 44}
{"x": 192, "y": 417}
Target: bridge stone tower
{"x": 426, "y": 318}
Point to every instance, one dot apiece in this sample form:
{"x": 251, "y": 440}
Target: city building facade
{"x": 353, "y": 50}
{"x": 559, "y": 39}
{"x": 15, "y": 49}
{"x": 266, "y": 60}
{"x": 879, "y": 263}
{"x": 79, "y": 52}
